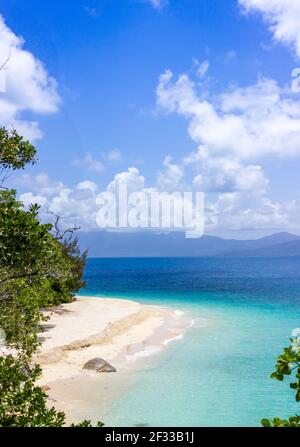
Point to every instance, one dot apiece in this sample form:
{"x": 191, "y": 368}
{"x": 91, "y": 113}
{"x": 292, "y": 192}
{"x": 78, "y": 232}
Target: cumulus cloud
{"x": 236, "y": 207}
{"x": 28, "y": 86}
{"x": 29, "y": 199}
{"x": 249, "y": 123}
{"x": 81, "y": 204}
{"x": 87, "y": 185}
{"x": 131, "y": 178}
{"x": 283, "y": 17}
{"x": 39, "y": 183}
{"x": 76, "y": 206}
{"x": 229, "y": 175}
{"x": 234, "y": 133}
{"x": 170, "y": 177}
{"x": 251, "y": 210}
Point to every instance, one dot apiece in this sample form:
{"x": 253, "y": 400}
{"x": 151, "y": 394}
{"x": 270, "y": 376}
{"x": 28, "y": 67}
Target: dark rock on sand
{"x": 99, "y": 365}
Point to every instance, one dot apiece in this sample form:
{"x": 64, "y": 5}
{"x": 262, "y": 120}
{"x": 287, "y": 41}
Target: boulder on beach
{"x": 99, "y": 365}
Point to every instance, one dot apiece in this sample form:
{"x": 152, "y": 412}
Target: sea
{"x": 243, "y": 312}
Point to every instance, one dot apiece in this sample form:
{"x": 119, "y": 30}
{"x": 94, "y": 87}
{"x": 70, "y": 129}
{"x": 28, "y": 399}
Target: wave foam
{"x": 149, "y": 350}
{"x": 169, "y": 340}
{"x": 178, "y": 313}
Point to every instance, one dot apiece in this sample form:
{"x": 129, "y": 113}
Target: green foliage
{"x": 288, "y": 365}
{"x": 30, "y": 252}
{"x": 39, "y": 267}
{"x": 86, "y": 424}
{"x": 20, "y": 316}
{"x": 15, "y": 152}
{"x": 23, "y": 404}
{"x": 25, "y": 243}
{"x": 293, "y": 421}
{"x": 71, "y": 252}
{"x": 36, "y": 271}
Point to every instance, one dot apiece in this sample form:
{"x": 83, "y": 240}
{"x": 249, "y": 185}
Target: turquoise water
{"x": 216, "y": 375}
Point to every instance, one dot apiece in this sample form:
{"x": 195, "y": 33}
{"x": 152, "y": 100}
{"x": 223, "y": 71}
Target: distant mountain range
{"x": 146, "y": 244}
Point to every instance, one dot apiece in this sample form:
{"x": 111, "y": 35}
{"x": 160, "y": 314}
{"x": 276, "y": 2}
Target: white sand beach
{"x": 122, "y": 332}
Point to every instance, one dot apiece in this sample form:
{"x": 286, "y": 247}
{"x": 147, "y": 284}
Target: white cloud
{"x": 131, "y": 178}
{"x": 170, "y": 177}
{"x": 79, "y": 205}
{"x": 28, "y": 199}
{"x": 114, "y": 155}
{"x": 235, "y": 131}
{"x": 236, "y": 211}
{"x": 248, "y": 123}
{"x": 28, "y": 85}
{"x": 158, "y": 4}
{"x": 87, "y": 185}
{"x": 201, "y": 67}
{"x": 228, "y": 175}
{"x": 89, "y": 162}
{"x": 283, "y": 16}
{"x": 76, "y": 206}
{"x": 39, "y": 184}
{"x": 242, "y": 203}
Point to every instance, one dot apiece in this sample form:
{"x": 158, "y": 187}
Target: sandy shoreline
{"x": 122, "y": 332}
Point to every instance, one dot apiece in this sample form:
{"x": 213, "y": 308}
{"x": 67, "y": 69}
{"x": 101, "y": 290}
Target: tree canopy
{"x": 288, "y": 365}
{"x": 40, "y": 266}
{"x": 15, "y": 152}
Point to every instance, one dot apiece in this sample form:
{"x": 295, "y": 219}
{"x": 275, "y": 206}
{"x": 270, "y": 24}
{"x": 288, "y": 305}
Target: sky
{"x": 173, "y": 95}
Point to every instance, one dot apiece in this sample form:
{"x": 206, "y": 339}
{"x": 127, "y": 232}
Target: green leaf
{"x": 266, "y": 423}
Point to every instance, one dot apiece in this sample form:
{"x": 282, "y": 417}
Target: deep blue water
{"x": 217, "y": 375}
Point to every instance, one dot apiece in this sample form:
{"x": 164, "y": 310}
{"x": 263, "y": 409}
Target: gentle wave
{"x": 179, "y": 313}
{"x": 169, "y": 340}
{"x": 149, "y": 350}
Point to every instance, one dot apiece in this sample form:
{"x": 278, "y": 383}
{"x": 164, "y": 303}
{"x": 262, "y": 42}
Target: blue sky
{"x": 106, "y": 116}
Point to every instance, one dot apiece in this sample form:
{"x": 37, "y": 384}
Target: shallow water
{"x": 217, "y": 375}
